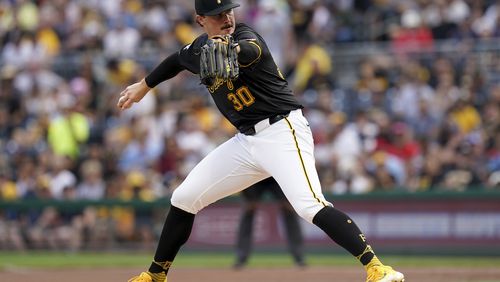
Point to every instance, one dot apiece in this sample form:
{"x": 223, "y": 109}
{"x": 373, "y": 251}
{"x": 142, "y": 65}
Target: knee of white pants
{"x": 308, "y": 212}
{"x": 185, "y": 201}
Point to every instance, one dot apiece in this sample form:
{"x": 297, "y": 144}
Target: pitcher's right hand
{"x": 133, "y": 94}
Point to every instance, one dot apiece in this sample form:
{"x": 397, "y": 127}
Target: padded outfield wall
{"x": 436, "y": 223}
{"x": 466, "y": 223}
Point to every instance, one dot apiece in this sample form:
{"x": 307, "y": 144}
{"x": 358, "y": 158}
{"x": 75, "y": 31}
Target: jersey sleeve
{"x": 189, "y": 55}
{"x": 167, "y": 69}
{"x": 187, "y": 58}
{"x": 251, "y": 46}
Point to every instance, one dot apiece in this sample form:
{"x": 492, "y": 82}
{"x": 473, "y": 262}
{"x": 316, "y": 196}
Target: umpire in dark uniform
{"x": 252, "y": 196}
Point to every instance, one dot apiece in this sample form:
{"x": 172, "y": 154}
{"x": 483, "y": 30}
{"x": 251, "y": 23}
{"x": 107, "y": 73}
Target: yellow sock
{"x": 158, "y": 277}
{"x": 374, "y": 262}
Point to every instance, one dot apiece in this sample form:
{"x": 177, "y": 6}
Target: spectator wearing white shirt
{"x": 121, "y": 41}
{"x": 92, "y": 186}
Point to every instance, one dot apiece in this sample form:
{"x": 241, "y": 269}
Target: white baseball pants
{"x": 283, "y": 150}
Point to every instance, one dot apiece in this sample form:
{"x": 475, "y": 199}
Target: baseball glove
{"x": 218, "y": 59}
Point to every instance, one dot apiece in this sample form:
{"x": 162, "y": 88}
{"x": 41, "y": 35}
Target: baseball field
{"x": 216, "y": 267}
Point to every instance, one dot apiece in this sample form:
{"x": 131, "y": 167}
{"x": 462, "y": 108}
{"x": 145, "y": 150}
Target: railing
{"x": 347, "y": 56}
{"x": 76, "y": 205}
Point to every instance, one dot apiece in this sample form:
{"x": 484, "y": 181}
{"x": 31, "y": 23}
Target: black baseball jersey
{"x": 259, "y": 92}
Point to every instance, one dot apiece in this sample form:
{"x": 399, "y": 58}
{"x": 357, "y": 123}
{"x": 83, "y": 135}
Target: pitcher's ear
{"x": 199, "y": 20}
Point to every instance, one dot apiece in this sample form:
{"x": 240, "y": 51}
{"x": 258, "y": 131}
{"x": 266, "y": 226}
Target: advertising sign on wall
{"x": 451, "y": 224}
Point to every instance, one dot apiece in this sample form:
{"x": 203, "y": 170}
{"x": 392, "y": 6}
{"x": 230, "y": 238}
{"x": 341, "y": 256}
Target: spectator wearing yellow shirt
{"x": 68, "y": 131}
{"x": 465, "y": 116}
{"x": 313, "y": 65}
{"x": 8, "y": 189}
{"x": 48, "y": 38}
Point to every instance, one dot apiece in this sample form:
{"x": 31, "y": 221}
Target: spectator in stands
{"x": 273, "y": 24}
{"x": 464, "y": 116}
{"x": 121, "y": 41}
{"x": 313, "y": 67}
{"x": 68, "y": 131}
{"x": 411, "y": 36}
{"x": 8, "y": 188}
{"x": 61, "y": 177}
{"x": 26, "y": 177}
{"x": 91, "y": 185}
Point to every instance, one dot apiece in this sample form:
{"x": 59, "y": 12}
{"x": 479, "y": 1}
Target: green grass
{"x": 203, "y": 259}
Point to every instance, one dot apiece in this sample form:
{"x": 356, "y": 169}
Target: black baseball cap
{"x": 213, "y": 7}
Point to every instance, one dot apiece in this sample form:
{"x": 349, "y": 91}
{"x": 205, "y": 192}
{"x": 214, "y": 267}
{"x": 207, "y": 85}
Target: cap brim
{"x": 221, "y": 9}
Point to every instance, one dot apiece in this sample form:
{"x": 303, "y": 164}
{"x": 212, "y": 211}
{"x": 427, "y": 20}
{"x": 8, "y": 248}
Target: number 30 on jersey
{"x": 241, "y": 98}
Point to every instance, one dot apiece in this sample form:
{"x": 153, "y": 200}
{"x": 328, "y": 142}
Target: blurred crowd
{"x": 414, "y": 118}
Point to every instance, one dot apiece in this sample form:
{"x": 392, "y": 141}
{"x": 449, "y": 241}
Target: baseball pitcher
{"x": 274, "y": 139}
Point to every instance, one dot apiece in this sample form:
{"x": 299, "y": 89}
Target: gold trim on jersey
{"x": 252, "y": 41}
{"x": 279, "y": 73}
{"x": 302, "y": 163}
